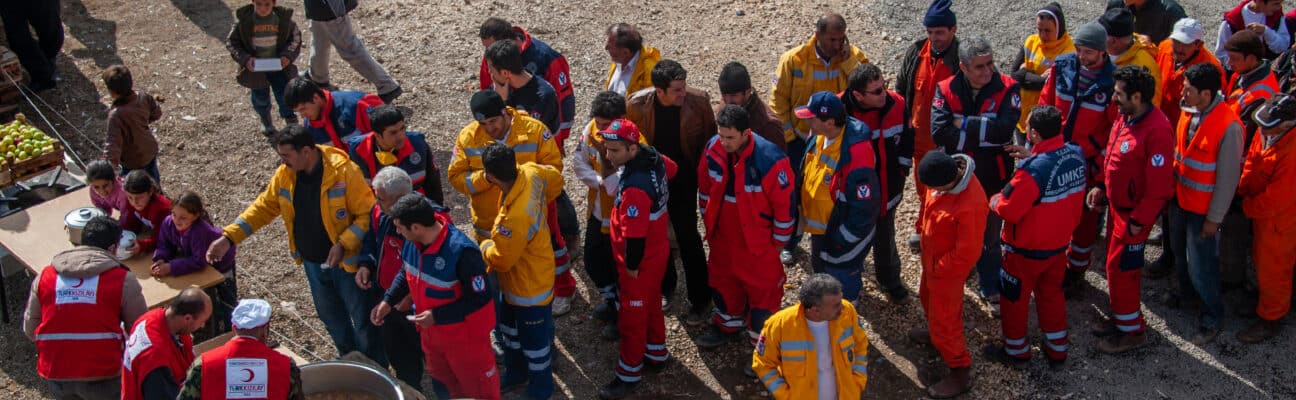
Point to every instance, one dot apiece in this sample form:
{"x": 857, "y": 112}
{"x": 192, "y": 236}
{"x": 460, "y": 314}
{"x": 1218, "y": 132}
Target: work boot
{"x": 610, "y": 333}
{"x": 697, "y": 317}
{"x": 898, "y": 297}
{"x": 785, "y": 256}
{"x": 617, "y": 389}
{"x": 291, "y": 119}
{"x": 920, "y": 336}
{"x": 1116, "y": 344}
{"x": 712, "y": 339}
{"x": 655, "y": 367}
{"x": 388, "y": 97}
{"x": 999, "y": 354}
{"x": 1259, "y": 331}
{"x": 1204, "y": 336}
{"x": 267, "y": 124}
{"x": 1104, "y": 327}
{"x": 915, "y": 243}
{"x": 957, "y": 382}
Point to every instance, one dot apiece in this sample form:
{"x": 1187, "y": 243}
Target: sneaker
{"x": 1259, "y": 331}
{"x": 920, "y": 336}
{"x": 391, "y": 96}
{"x": 915, "y": 243}
{"x": 1116, "y": 344}
{"x": 1204, "y": 336}
{"x": 561, "y": 306}
{"x": 785, "y": 256}
{"x": 697, "y": 318}
{"x": 712, "y": 339}
{"x": 617, "y": 389}
{"x": 999, "y": 354}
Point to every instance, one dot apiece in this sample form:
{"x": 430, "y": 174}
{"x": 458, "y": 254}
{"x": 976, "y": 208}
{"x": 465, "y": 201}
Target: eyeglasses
{"x": 879, "y": 90}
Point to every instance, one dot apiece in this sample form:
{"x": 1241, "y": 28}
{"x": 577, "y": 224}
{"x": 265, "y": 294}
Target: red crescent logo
{"x": 80, "y": 281}
{"x": 250, "y": 375}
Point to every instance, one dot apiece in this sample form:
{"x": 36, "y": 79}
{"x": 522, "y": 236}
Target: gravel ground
{"x": 210, "y": 144}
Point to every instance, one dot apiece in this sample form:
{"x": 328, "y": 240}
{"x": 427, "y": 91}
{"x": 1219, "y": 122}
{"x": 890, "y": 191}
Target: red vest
{"x": 887, "y": 129}
{"x": 364, "y": 149}
{"x": 80, "y": 335}
{"x": 1236, "y": 24}
{"x": 150, "y": 347}
{"x": 930, "y": 72}
{"x": 245, "y": 368}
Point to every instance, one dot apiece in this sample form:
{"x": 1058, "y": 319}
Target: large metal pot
{"x": 75, "y": 221}
{"x": 329, "y": 376}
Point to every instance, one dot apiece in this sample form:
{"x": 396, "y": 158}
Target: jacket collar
{"x": 967, "y": 174}
{"x": 435, "y": 247}
{"x": 1048, "y": 145}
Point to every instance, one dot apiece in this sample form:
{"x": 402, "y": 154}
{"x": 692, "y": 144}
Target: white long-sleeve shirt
{"x": 1276, "y": 40}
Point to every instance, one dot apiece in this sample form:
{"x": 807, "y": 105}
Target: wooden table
{"x": 220, "y": 340}
{"x": 33, "y": 236}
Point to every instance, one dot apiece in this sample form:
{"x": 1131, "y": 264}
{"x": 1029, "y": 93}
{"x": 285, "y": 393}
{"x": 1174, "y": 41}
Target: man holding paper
{"x": 264, "y": 42}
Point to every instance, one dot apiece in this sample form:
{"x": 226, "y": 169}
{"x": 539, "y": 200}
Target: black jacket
{"x": 239, "y": 44}
{"x": 321, "y": 10}
{"x": 1156, "y": 18}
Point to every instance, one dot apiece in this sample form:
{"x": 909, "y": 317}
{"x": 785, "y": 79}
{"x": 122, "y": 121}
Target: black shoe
{"x": 1056, "y": 365}
{"x": 617, "y": 389}
{"x": 610, "y": 333}
{"x": 748, "y": 371}
{"x": 697, "y": 317}
{"x": 267, "y": 124}
{"x": 388, "y": 97}
{"x": 999, "y": 354}
{"x": 712, "y": 339}
{"x": 655, "y": 367}
{"x": 305, "y": 74}
{"x": 291, "y": 119}
{"x": 898, "y": 297}
{"x": 1072, "y": 282}
{"x": 605, "y": 311}
{"x": 41, "y": 86}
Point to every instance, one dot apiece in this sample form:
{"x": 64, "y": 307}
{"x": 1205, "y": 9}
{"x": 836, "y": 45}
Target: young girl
{"x": 148, "y": 208}
{"x": 105, "y": 187}
{"x": 182, "y": 241}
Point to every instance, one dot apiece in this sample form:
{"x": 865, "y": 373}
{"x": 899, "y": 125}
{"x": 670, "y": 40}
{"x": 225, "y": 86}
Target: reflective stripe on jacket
{"x": 786, "y": 361}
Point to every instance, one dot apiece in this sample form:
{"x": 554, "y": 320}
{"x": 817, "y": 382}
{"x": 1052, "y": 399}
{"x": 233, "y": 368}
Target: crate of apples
{"x": 21, "y": 142}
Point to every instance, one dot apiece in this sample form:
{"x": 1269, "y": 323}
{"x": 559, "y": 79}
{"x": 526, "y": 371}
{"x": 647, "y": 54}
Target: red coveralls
{"x": 1040, "y": 208}
{"x": 1138, "y": 178}
{"x": 746, "y": 226}
{"x": 953, "y": 225}
{"x": 640, "y": 213}
{"x": 1268, "y": 189}
{"x": 931, "y": 71}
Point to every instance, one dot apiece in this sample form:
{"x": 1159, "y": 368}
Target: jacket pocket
{"x": 1009, "y": 285}
{"x": 1131, "y": 257}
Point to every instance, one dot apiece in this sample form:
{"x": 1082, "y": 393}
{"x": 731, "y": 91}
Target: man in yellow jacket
{"x": 822, "y": 63}
{"x": 1128, "y": 48}
{"x": 519, "y": 252}
{"x": 325, "y": 204}
{"x": 632, "y": 62}
{"x": 790, "y": 349}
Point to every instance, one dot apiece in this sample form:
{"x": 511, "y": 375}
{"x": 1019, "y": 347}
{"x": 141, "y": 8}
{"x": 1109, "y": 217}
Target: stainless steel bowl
{"x": 328, "y": 376}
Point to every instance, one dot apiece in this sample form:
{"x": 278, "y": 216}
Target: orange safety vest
{"x": 1172, "y": 76}
{"x": 80, "y": 334}
{"x": 245, "y": 368}
{"x": 1239, "y": 97}
{"x": 1196, "y": 159}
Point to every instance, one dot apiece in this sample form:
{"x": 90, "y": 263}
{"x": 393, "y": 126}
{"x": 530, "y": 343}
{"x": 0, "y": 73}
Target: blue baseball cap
{"x": 824, "y": 104}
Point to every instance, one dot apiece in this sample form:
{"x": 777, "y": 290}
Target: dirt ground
{"x": 211, "y": 144}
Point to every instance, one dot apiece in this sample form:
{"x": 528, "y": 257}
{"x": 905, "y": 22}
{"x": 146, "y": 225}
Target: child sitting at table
{"x": 182, "y": 241}
{"x": 148, "y": 208}
{"x": 105, "y": 187}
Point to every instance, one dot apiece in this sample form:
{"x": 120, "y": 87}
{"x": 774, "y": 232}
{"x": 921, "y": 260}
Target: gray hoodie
{"x": 85, "y": 262}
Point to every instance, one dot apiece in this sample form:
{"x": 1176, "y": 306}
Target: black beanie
{"x": 937, "y": 169}
{"x": 1118, "y": 21}
{"x": 734, "y": 78}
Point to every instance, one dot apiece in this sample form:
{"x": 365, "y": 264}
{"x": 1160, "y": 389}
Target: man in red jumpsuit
{"x": 1137, "y": 166}
{"x": 745, "y": 194}
{"x": 1040, "y": 207}
{"x": 445, "y": 276}
{"x": 640, "y": 246}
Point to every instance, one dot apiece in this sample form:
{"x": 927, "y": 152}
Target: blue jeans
{"x": 848, "y": 272}
{"x": 344, "y": 309}
{"x": 528, "y": 338}
{"x": 795, "y": 150}
{"x": 261, "y": 97}
{"x": 1197, "y": 261}
{"x": 151, "y": 168}
{"x": 991, "y": 260}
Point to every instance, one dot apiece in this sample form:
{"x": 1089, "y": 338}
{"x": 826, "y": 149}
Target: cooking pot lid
{"x": 79, "y": 217}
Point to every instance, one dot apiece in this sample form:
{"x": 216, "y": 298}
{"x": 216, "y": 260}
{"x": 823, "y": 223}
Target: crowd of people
{"x": 1100, "y": 130}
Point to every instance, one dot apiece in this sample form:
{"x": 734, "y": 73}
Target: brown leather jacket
{"x": 761, "y": 120}
{"x": 697, "y": 122}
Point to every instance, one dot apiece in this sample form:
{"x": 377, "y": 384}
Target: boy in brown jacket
{"x": 130, "y": 142}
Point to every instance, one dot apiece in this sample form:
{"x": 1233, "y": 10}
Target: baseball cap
{"x": 486, "y": 104}
{"x": 1280, "y": 108}
{"x": 1187, "y": 31}
{"x": 824, "y": 104}
{"x": 250, "y": 313}
{"x": 621, "y": 129}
